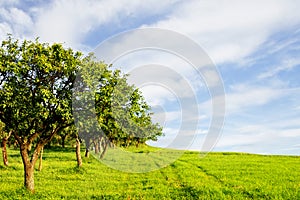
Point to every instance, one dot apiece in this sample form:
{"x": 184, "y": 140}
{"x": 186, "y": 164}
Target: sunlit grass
{"x": 216, "y": 176}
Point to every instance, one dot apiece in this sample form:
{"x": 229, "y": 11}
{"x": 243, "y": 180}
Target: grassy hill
{"x": 216, "y": 176}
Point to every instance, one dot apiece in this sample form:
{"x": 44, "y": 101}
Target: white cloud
{"x": 240, "y": 140}
{"x": 4, "y": 30}
{"x": 259, "y": 138}
{"x": 231, "y": 31}
{"x": 244, "y": 96}
{"x": 275, "y": 46}
{"x": 272, "y": 128}
{"x": 286, "y": 65}
{"x": 71, "y": 21}
{"x": 163, "y": 76}
{"x": 15, "y": 21}
{"x": 291, "y": 133}
{"x": 228, "y": 32}
{"x": 158, "y": 94}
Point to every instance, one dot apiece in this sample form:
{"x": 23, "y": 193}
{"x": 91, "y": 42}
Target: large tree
{"x": 35, "y": 95}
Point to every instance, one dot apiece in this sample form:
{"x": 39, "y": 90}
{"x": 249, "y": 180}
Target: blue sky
{"x": 255, "y": 46}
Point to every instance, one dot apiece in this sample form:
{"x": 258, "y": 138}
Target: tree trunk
{"x": 96, "y": 143}
{"x": 29, "y": 164}
{"x": 87, "y": 153}
{"x": 63, "y": 139}
{"x": 104, "y": 149}
{"x": 29, "y": 177}
{"x": 4, "y": 151}
{"x": 41, "y": 160}
{"x": 78, "y": 155}
{"x": 99, "y": 145}
{"x": 16, "y": 144}
{"x": 87, "y": 148}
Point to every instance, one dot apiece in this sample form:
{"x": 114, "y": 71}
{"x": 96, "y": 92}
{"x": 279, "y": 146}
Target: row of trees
{"x": 108, "y": 111}
{"x": 47, "y": 89}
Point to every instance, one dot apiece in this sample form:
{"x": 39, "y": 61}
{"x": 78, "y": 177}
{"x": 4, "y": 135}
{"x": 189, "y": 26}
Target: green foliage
{"x": 106, "y": 106}
{"x": 35, "y": 91}
{"x": 216, "y": 176}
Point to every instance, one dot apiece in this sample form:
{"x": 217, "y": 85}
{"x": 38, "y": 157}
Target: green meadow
{"x": 215, "y": 176}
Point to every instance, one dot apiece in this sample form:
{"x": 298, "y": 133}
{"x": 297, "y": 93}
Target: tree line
{"x": 48, "y": 90}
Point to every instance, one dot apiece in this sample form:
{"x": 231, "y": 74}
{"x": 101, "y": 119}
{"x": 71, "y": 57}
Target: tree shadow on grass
{"x": 2, "y": 167}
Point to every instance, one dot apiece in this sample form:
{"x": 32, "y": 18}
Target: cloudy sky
{"x": 254, "y": 45}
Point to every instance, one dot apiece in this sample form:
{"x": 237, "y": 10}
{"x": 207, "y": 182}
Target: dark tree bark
{"x": 63, "y": 139}
{"x": 78, "y": 155}
{"x": 87, "y": 153}
{"x": 87, "y": 148}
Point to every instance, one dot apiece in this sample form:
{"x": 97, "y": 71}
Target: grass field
{"x": 216, "y": 176}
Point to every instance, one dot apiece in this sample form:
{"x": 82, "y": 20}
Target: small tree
{"x": 35, "y": 95}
